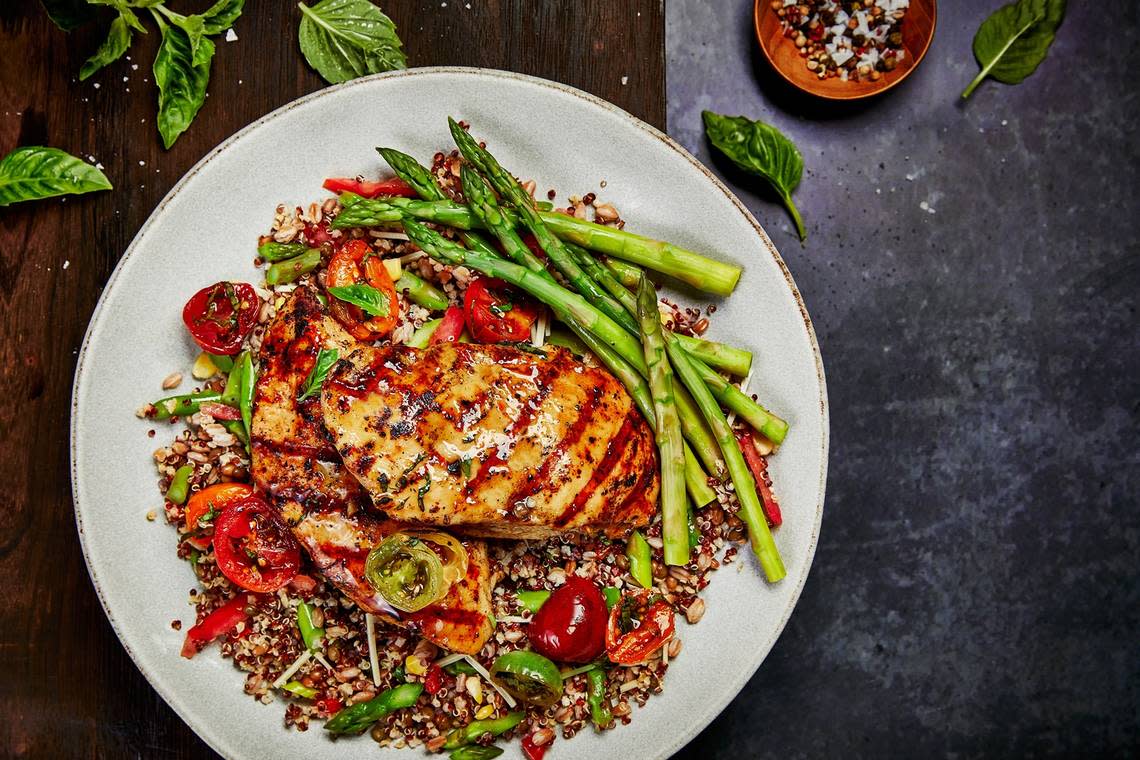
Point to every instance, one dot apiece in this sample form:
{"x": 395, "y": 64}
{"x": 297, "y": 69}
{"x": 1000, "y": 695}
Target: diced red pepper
{"x": 366, "y": 189}
{"x": 759, "y": 467}
{"x": 531, "y": 750}
{"x": 219, "y": 622}
{"x": 330, "y": 705}
{"x": 434, "y": 680}
{"x": 450, "y": 328}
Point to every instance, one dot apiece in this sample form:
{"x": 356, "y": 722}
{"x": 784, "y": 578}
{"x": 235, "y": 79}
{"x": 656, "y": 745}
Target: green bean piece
{"x": 476, "y": 752}
{"x": 273, "y": 251}
{"x": 290, "y": 269}
{"x": 532, "y": 600}
{"x": 470, "y": 733}
{"x": 399, "y": 675}
{"x": 600, "y": 712}
{"x": 184, "y": 405}
{"x": 356, "y": 718}
{"x": 422, "y": 336}
{"x": 612, "y": 595}
{"x": 310, "y": 634}
{"x": 180, "y": 485}
{"x": 232, "y": 391}
{"x": 461, "y": 666}
{"x": 640, "y": 559}
{"x": 421, "y": 292}
{"x": 300, "y": 689}
{"x": 221, "y": 361}
{"x": 248, "y": 381}
{"x": 236, "y": 428}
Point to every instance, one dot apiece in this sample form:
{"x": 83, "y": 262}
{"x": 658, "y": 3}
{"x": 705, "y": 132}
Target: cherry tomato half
{"x": 571, "y": 625}
{"x": 450, "y": 327}
{"x": 494, "y": 315}
{"x": 637, "y": 628}
{"x": 366, "y": 189}
{"x": 253, "y": 547}
{"x": 353, "y": 264}
{"x": 205, "y": 506}
{"x": 220, "y": 316}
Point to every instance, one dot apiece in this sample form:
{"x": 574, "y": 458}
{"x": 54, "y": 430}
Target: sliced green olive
{"x": 528, "y": 676}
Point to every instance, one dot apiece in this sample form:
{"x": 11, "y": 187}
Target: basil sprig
{"x": 372, "y": 301}
{"x": 1013, "y": 41}
{"x": 326, "y": 358}
{"x": 346, "y": 39}
{"x": 762, "y": 149}
{"x": 34, "y": 172}
{"x": 182, "y": 66}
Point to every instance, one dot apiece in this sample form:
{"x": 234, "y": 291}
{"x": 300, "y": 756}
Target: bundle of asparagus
{"x": 674, "y": 379}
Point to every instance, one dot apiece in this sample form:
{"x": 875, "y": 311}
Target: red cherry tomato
{"x": 253, "y": 547}
{"x": 205, "y": 506}
{"x": 449, "y": 328}
{"x": 220, "y": 316}
{"x": 433, "y": 682}
{"x": 571, "y": 625}
{"x": 330, "y": 705}
{"x": 366, "y": 189}
{"x": 494, "y": 315}
{"x": 356, "y": 263}
{"x": 629, "y": 645}
{"x": 759, "y": 467}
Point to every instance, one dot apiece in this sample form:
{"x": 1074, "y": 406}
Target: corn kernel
{"x": 204, "y": 367}
{"x": 484, "y": 712}
{"x": 475, "y": 689}
{"x": 414, "y": 666}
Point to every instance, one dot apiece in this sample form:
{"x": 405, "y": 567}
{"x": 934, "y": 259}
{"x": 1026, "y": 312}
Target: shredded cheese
{"x": 373, "y": 660}
{"x": 743, "y": 389}
{"x": 408, "y": 258}
{"x": 443, "y": 662}
{"x": 513, "y": 619}
{"x": 487, "y": 677}
{"x": 289, "y": 671}
{"x": 389, "y": 235}
{"x": 321, "y": 659}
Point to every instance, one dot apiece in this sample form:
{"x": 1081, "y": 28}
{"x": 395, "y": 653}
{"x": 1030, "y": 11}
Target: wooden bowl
{"x": 917, "y": 31}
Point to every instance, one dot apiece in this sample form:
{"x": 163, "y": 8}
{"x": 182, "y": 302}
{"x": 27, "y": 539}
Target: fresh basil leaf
{"x": 373, "y": 301}
{"x": 326, "y": 358}
{"x": 36, "y": 172}
{"x": 68, "y": 14}
{"x": 346, "y": 39}
{"x": 221, "y": 15}
{"x": 1013, "y": 41}
{"x": 112, "y": 49}
{"x": 762, "y": 149}
{"x": 181, "y": 82}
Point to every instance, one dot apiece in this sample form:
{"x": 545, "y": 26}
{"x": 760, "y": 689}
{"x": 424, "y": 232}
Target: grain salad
{"x": 356, "y": 642}
{"x": 849, "y": 39}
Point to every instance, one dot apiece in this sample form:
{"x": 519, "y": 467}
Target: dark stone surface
{"x": 975, "y": 592}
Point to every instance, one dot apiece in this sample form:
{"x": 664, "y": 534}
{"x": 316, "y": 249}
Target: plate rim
{"x": 714, "y": 707}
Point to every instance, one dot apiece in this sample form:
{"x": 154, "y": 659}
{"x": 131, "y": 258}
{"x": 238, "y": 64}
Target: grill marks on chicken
{"x": 295, "y": 463}
{"x": 493, "y": 440}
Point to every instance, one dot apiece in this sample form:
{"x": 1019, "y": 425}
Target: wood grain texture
{"x": 69, "y": 689}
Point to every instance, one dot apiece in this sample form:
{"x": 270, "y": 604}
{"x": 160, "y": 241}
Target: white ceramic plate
{"x": 206, "y": 230}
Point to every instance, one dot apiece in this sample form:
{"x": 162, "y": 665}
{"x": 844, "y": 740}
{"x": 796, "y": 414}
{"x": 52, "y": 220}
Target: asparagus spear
{"x": 486, "y": 209}
{"x": 750, "y": 509}
{"x": 773, "y": 428}
{"x": 421, "y": 292}
{"x": 674, "y": 528}
{"x": 416, "y": 175}
{"x": 692, "y": 268}
{"x": 736, "y": 361}
{"x": 626, "y": 273}
{"x": 509, "y": 188}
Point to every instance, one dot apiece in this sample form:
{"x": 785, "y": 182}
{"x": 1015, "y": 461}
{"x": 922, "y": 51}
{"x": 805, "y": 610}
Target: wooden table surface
{"x": 68, "y": 688}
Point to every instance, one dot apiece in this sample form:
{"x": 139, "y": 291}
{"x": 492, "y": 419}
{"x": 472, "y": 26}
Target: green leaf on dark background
{"x": 1014, "y": 40}
{"x": 346, "y": 39}
{"x": 35, "y": 172}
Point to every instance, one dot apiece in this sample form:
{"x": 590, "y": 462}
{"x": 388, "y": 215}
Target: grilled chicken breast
{"x": 492, "y": 440}
{"x": 296, "y": 464}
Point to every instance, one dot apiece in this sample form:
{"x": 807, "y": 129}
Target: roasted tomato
{"x": 254, "y": 549}
{"x": 220, "y": 316}
{"x": 571, "y": 625}
{"x": 494, "y": 315}
{"x": 366, "y": 189}
{"x": 638, "y": 627}
{"x": 355, "y": 264}
{"x": 205, "y": 506}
